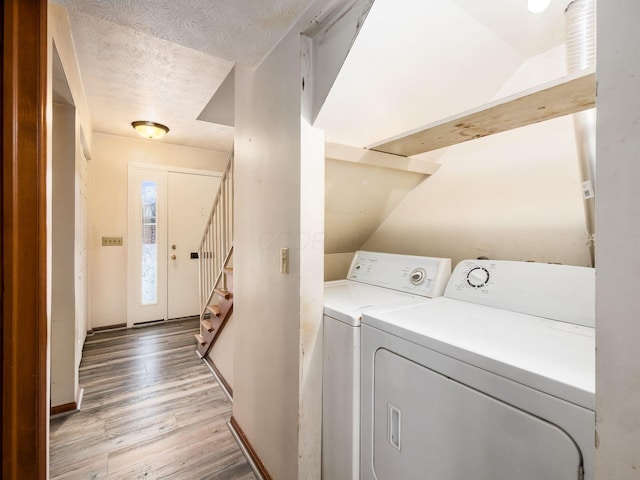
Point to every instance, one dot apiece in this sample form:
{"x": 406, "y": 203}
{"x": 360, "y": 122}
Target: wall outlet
{"x": 111, "y": 241}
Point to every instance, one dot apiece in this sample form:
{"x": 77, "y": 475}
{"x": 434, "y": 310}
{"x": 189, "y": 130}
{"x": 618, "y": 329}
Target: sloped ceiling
{"x": 413, "y": 63}
{"x": 418, "y": 61}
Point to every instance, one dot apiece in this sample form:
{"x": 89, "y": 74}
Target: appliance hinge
{"x": 580, "y": 472}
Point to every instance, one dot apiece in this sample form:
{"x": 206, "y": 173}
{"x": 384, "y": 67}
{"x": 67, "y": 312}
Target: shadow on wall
{"x": 357, "y": 200}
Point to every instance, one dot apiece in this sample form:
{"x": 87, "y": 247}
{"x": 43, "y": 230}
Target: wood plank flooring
{"x": 151, "y": 410}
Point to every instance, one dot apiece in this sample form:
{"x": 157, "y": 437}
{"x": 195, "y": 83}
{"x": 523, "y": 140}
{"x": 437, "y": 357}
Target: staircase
{"x": 216, "y": 273}
{"x": 216, "y": 315}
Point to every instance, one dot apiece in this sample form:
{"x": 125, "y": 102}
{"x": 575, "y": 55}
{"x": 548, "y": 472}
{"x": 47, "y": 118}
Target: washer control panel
{"x": 425, "y": 276}
{"x": 559, "y": 292}
{"x": 418, "y": 276}
{"x": 478, "y": 277}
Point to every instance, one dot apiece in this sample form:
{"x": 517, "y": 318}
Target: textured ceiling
{"x": 129, "y": 75}
{"x": 415, "y": 61}
{"x": 241, "y": 31}
{"x": 164, "y": 60}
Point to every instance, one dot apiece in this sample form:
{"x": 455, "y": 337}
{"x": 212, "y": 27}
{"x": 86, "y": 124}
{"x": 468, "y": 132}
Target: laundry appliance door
{"x": 429, "y": 426}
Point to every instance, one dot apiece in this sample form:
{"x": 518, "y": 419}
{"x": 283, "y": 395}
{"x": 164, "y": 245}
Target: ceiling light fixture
{"x": 538, "y": 6}
{"x": 151, "y": 130}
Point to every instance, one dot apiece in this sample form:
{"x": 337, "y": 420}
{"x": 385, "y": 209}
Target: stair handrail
{"x": 216, "y": 244}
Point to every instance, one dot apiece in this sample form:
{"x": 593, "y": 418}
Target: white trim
{"x": 346, "y": 153}
{"x": 173, "y": 169}
{"x": 134, "y": 168}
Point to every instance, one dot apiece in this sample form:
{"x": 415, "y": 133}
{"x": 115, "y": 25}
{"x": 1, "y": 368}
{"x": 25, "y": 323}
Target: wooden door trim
{"x": 24, "y": 264}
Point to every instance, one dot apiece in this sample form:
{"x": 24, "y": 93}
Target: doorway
{"x": 168, "y": 210}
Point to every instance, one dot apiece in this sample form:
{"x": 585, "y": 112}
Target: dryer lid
{"x": 554, "y": 357}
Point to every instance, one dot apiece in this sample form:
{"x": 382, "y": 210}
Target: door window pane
{"x": 149, "y": 244}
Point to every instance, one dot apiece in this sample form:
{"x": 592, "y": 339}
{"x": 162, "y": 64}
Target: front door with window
{"x": 167, "y": 215}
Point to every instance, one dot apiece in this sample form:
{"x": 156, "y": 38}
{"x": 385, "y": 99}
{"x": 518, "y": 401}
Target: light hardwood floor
{"x": 151, "y": 409}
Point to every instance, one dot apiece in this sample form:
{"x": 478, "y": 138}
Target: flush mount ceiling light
{"x": 150, "y": 130}
{"x": 537, "y": 6}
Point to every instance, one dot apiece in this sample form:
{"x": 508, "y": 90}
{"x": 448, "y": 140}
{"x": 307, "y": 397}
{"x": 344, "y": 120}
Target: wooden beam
{"x": 567, "y": 95}
{"x": 24, "y": 271}
{"x": 346, "y": 153}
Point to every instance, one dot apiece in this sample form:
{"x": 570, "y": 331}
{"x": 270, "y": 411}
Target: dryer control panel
{"x": 425, "y": 276}
{"x": 558, "y": 292}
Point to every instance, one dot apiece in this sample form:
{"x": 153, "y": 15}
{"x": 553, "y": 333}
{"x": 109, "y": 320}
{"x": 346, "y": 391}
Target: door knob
{"x": 173, "y": 257}
{"x": 173, "y": 247}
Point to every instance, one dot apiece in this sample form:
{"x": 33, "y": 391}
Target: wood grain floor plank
{"x": 93, "y": 468}
{"x": 151, "y": 409}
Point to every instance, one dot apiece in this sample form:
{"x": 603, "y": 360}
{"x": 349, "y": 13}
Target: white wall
{"x": 267, "y": 303}
{"x": 82, "y": 207}
{"x": 513, "y": 196}
{"x": 110, "y": 158}
{"x": 60, "y": 32}
{"x": 279, "y": 203}
{"x": 64, "y": 373}
{"x": 67, "y": 208}
{"x": 358, "y": 198}
{"x": 617, "y": 242}
{"x": 336, "y": 265}
{"x": 222, "y": 353}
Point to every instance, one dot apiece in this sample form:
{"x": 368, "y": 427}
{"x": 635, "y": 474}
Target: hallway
{"x": 151, "y": 409}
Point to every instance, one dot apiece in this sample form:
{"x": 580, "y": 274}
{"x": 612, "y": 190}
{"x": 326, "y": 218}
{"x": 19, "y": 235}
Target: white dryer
{"x": 495, "y": 381}
{"x": 374, "y": 281}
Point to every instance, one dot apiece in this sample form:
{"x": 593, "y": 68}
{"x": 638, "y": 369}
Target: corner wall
{"x": 617, "y": 242}
{"x": 64, "y": 372}
{"x": 279, "y": 193}
{"x": 267, "y": 218}
{"x": 110, "y": 159}
{"x": 68, "y": 218}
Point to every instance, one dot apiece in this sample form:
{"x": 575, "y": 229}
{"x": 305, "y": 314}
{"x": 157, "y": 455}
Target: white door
{"x": 167, "y": 214}
{"x": 190, "y": 200}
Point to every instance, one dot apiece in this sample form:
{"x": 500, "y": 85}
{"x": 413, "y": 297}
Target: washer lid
{"x": 345, "y": 300}
{"x": 554, "y": 357}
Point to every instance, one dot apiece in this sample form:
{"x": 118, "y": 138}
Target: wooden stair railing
{"x": 216, "y": 277}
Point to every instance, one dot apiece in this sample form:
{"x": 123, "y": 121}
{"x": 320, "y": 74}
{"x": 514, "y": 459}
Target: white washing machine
{"x": 494, "y": 381}
{"x": 375, "y": 281}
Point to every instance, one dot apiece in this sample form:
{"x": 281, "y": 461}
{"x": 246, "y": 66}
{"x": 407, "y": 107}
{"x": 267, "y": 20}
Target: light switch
{"x": 284, "y": 260}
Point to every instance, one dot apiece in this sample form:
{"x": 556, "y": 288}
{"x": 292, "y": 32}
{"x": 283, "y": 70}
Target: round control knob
{"x": 478, "y": 277}
{"x": 417, "y": 276}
